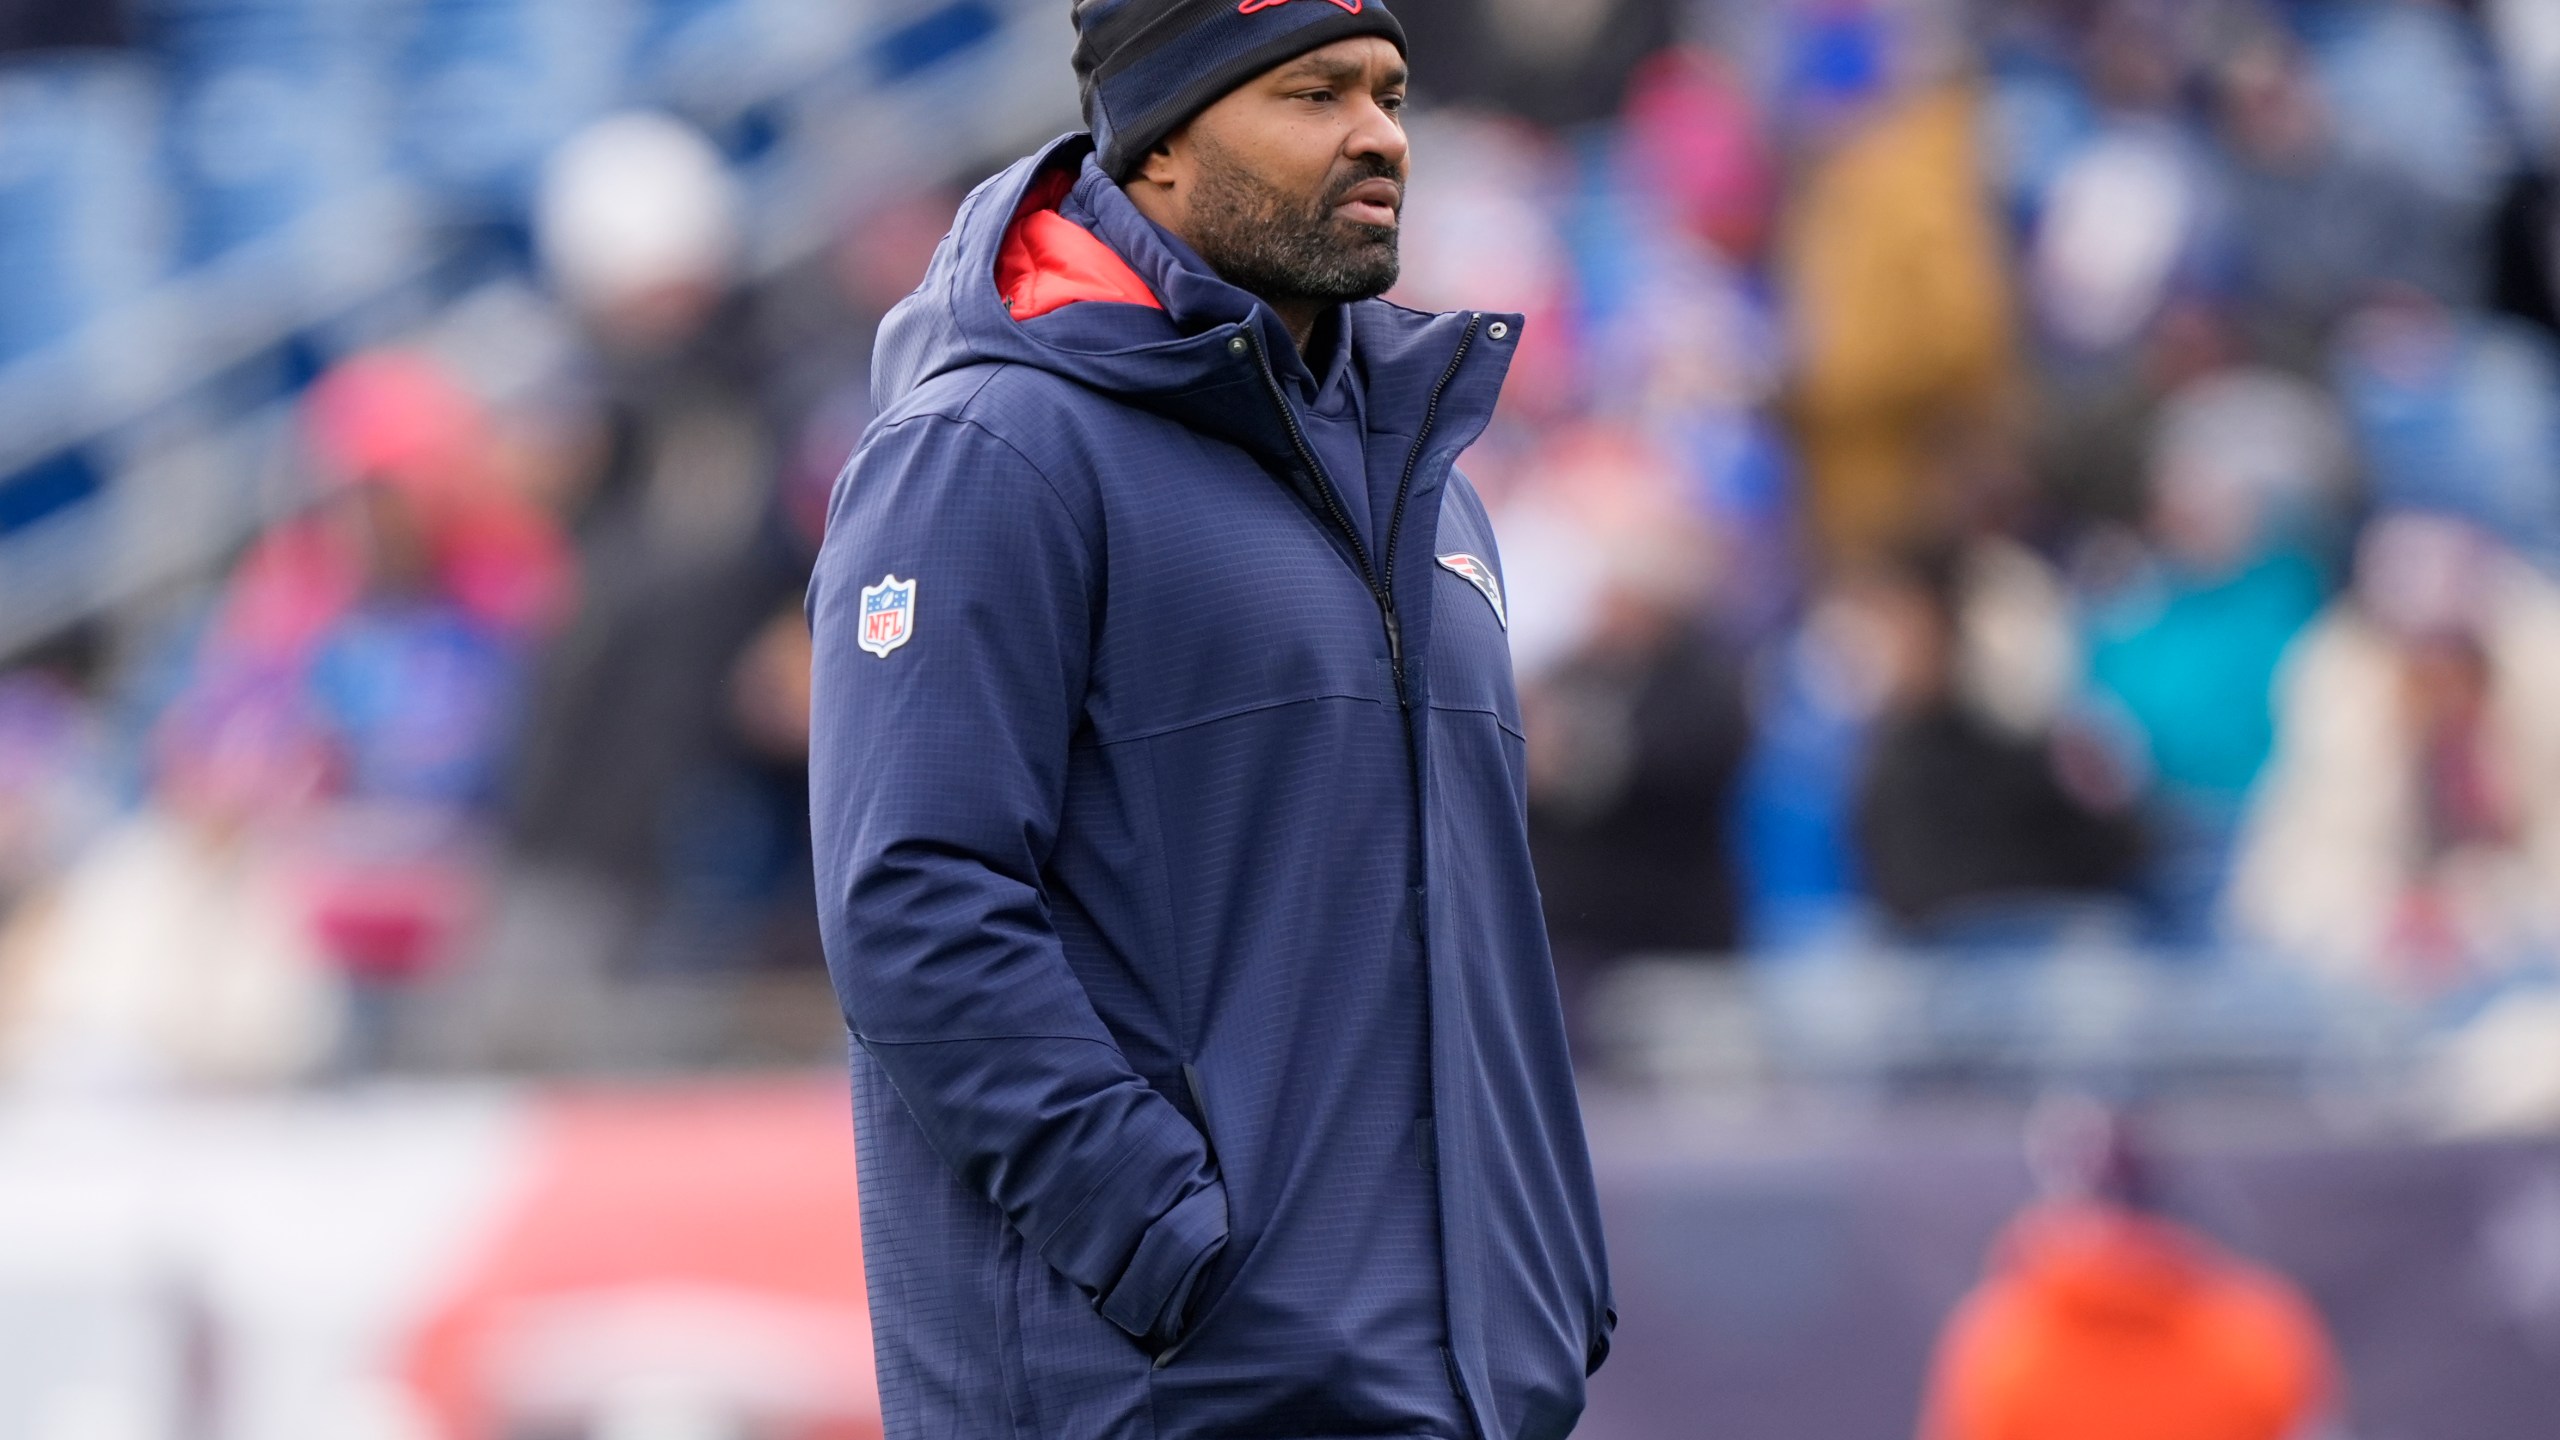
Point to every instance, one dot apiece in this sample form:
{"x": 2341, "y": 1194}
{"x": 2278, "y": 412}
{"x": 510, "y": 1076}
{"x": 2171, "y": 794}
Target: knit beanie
{"x": 1146, "y": 66}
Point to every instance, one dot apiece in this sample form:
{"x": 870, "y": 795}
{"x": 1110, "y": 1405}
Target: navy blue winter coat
{"x": 1171, "y": 848}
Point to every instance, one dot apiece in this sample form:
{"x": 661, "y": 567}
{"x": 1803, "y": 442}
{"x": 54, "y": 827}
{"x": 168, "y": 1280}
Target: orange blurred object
{"x": 2102, "y": 1324}
{"x": 694, "y": 1249}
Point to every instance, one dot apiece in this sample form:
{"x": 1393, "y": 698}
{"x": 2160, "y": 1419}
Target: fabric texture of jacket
{"x": 1208, "y": 1073}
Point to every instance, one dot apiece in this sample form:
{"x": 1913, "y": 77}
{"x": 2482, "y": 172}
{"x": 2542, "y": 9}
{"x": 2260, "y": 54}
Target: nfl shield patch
{"x": 1477, "y": 573}
{"x": 888, "y": 614}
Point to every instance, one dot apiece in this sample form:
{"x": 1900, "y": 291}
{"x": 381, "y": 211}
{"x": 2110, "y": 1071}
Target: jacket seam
{"x": 1160, "y": 878}
{"x": 1235, "y": 712}
{"x": 1456, "y": 707}
{"x": 1013, "y": 1361}
{"x": 950, "y": 416}
{"x": 1128, "y": 1156}
{"x": 992, "y": 433}
{"x": 969, "y": 1039}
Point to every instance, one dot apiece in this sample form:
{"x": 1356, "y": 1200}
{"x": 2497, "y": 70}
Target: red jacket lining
{"x": 1048, "y": 261}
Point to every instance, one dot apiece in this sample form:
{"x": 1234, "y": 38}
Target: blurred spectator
{"x": 2102, "y": 1320}
{"x": 2526, "y": 36}
{"x": 2409, "y": 824}
{"x": 1827, "y": 692}
{"x": 2248, "y": 477}
{"x": 1970, "y": 823}
{"x": 1635, "y": 741}
{"x": 1557, "y": 64}
{"x": 2457, "y": 411}
{"x": 637, "y": 226}
{"x": 2316, "y": 224}
{"x": 1693, "y": 144}
{"x": 2415, "y": 91}
{"x": 405, "y": 606}
{"x": 324, "y": 777}
{"x": 2093, "y": 422}
{"x": 658, "y": 833}
{"x": 1680, "y": 341}
{"x": 1812, "y": 708}
{"x": 54, "y": 758}
{"x": 1900, "y": 308}
{"x": 55, "y": 796}
{"x": 2118, "y": 230}
{"x": 1492, "y": 214}
{"x": 2523, "y": 280}
{"x": 2121, "y": 216}
{"x": 181, "y": 948}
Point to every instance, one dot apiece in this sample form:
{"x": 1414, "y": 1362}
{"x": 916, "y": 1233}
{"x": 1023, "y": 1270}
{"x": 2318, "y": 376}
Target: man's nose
{"x": 1377, "y": 132}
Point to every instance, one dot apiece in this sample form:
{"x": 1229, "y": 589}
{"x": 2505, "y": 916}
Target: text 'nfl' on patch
{"x": 888, "y": 615}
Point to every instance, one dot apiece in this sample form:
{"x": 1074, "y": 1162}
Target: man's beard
{"x": 1264, "y": 240}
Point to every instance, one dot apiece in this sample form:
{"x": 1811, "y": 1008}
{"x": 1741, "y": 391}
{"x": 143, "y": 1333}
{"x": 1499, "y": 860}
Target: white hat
{"x": 632, "y": 203}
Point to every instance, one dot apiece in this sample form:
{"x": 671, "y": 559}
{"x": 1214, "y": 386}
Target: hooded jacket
{"x": 1208, "y": 1071}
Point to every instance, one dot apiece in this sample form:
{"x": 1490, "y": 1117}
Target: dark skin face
{"x": 1292, "y": 184}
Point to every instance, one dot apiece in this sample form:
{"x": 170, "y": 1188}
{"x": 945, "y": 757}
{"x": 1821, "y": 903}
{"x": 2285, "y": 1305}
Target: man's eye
{"x": 1391, "y": 103}
{"x": 1316, "y": 95}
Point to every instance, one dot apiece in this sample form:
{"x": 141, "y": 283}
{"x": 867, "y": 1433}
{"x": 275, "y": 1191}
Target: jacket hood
{"x": 1196, "y": 354}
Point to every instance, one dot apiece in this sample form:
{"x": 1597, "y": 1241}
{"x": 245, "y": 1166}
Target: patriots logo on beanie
{"x": 1144, "y": 67}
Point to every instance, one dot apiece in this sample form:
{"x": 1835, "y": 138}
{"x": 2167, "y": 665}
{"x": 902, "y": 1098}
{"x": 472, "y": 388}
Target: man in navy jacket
{"x": 1167, "y": 786}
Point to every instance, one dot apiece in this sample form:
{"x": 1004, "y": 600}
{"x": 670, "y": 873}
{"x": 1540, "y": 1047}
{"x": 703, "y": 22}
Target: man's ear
{"x": 1159, "y": 167}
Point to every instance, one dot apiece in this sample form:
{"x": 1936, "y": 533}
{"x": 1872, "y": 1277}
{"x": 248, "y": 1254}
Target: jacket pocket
{"x": 1216, "y": 1281}
{"x": 1069, "y": 1371}
{"x": 1217, "y": 1285}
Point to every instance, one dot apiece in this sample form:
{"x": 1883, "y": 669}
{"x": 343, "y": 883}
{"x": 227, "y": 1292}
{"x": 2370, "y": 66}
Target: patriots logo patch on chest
{"x": 1477, "y": 573}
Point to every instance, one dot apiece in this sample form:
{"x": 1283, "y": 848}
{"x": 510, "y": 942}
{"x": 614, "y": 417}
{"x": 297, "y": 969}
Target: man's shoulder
{"x": 1032, "y": 410}
{"x": 999, "y": 427}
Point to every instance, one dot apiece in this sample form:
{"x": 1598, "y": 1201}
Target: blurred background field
{"x": 2033, "y": 539}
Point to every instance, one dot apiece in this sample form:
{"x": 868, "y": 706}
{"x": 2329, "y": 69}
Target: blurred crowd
{"x": 506, "y": 721}
{"x": 1976, "y": 477}
{"x": 1977, "y": 480}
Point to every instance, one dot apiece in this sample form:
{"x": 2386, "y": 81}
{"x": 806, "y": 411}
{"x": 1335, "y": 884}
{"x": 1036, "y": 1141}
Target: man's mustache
{"x": 1363, "y": 171}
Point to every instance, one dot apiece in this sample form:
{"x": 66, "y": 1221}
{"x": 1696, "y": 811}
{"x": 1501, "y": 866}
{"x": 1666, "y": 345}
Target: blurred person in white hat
{"x": 637, "y": 225}
{"x": 2408, "y": 825}
{"x": 638, "y": 770}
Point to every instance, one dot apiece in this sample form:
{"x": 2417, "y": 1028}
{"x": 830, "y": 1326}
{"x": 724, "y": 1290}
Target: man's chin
{"x": 1369, "y": 251}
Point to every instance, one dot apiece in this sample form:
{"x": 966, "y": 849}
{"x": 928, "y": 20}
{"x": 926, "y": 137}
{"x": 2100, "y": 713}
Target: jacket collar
{"x": 1181, "y": 361}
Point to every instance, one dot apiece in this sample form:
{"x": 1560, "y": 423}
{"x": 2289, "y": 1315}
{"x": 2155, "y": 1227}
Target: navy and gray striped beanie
{"x": 1146, "y": 66}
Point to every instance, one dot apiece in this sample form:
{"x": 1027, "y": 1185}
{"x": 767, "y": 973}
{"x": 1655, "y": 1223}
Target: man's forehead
{"x": 1346, "y": 59}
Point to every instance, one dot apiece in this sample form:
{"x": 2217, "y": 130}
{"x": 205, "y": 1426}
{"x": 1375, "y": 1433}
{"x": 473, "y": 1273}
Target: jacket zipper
{"x": 1381, "y": 592}
{"x": 1384, "y": 594}
{"x": 1395, "y": 530}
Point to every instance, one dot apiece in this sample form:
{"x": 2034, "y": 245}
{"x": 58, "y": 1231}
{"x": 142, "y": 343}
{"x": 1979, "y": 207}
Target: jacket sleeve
{"x": 937, "y": 774}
